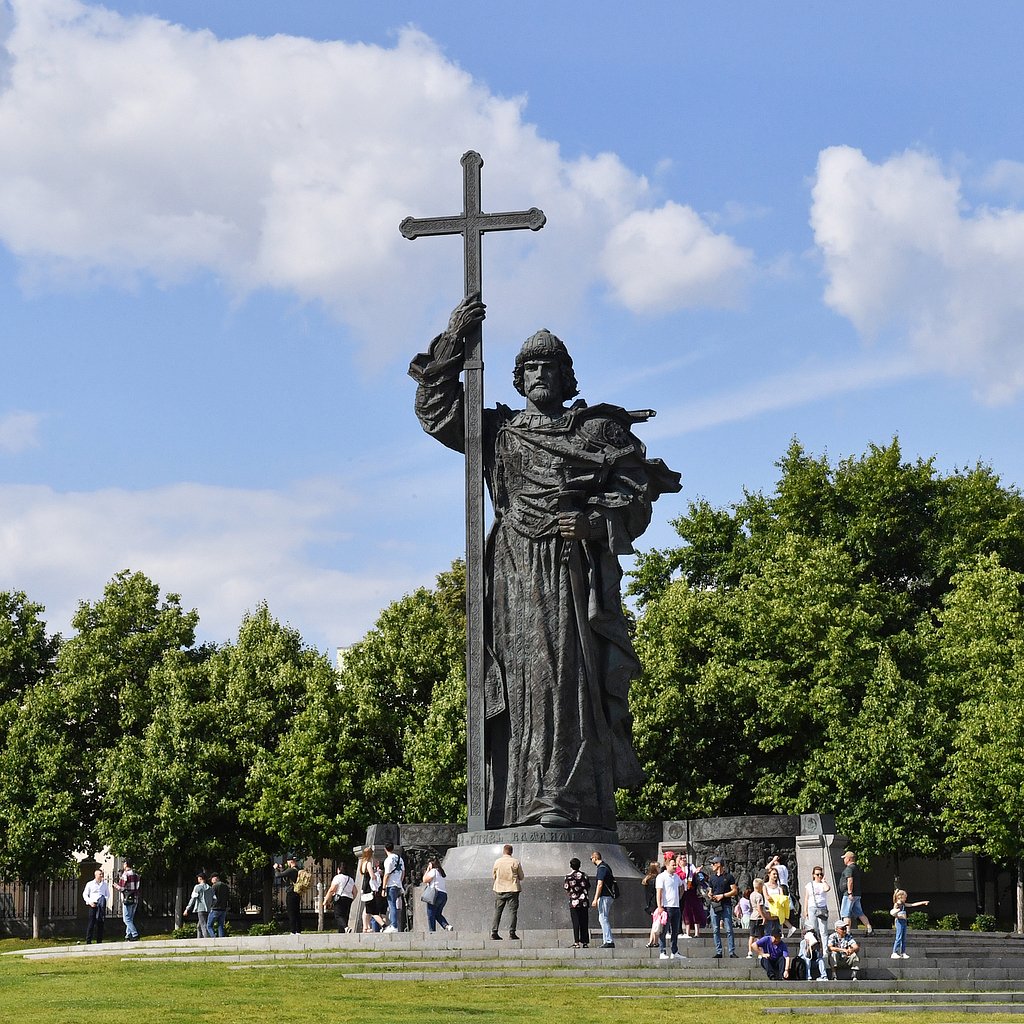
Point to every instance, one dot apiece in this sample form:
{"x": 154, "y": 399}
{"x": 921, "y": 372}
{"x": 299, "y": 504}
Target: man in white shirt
{"x": 96, "y": 895}
{"x": 392, "y": 886}
{"x": 666, "y": 888}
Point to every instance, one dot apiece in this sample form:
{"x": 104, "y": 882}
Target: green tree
{"x": 979, "y": 643}
{"x": 405, "y": 696}
{"x": 799, "y": 621}
{"x": 38, "y": 824}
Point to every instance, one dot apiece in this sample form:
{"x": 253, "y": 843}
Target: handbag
{"x": 429, "y": 893}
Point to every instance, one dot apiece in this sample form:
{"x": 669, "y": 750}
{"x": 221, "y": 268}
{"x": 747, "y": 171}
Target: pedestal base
{"x": 544, "y": 854}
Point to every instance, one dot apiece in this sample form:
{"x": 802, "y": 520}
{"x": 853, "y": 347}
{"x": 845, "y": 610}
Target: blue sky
{"x": 764, "y": 221}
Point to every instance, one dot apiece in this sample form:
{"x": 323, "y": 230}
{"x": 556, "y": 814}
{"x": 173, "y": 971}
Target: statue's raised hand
{"x": 466, "y": 315}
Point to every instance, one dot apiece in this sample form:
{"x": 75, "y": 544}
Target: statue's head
{"x": 545, "y": 345}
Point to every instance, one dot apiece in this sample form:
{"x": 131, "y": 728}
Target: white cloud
{"x": 19, "y": 431}
{"x": 135, "y": 146}
{"x": 780, "y": 391}
{"x": 223, "y": 549}
{"x": 903, "y": 250}
{"x": 666, "y": 259}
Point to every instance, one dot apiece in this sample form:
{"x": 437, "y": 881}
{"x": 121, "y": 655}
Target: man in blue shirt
{"x": 723, "y": 889}
{"x": 773, "y": 955}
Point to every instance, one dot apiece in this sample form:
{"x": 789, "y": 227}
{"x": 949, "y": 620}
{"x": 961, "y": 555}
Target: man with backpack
{"x": 604, "y": 895}
{"x": 394, "y": 878}
{"x": 295, "y": 883}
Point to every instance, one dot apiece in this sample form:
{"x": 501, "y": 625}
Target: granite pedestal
{"x": 544, "y": 854}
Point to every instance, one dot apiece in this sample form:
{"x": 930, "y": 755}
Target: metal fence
{"x": 158, "y": 896}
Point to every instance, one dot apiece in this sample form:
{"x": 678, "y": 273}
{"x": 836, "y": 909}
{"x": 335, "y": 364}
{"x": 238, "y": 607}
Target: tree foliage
{"x": 786, "y": 645}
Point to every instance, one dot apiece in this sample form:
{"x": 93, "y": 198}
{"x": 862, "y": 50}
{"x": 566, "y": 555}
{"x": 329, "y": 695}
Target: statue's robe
{"x": 559, "y": 660}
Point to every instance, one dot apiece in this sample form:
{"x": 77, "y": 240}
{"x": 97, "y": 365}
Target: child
{"x": 810, "y": 951}
{"x": 899, "y": 913}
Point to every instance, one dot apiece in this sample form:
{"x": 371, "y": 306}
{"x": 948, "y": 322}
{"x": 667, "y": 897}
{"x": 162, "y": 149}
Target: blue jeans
{"x": 719, "y": 912}
{"x": 435, "y": 912}
{"x": 215, "y": 922}
{"x": 128, "y": 916}
{"x": 604, "y": 915}
{"x": 394, "y": 891}
{"x": 675, "y": 919}
{"x": 900, "y": 944}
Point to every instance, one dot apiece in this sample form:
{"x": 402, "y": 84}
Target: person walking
{"x": 899, "y": 915}
{"x": 220, "y": 900}
{"x": 577, "y": 885}
{"x": 96, "y": 895}
{"x": 128, "y": 886}
{"x": 723, "y": 888}
{"x": 435, "y": 876}
{"x": 850, "y": 888}
{"x": 200, "y": 901}
{"x": 667, "y": 886}
{"x": 651, "y": 902}
{"x": 339, "y": 897}
{"x": 393, "y": 885}
{"x": 374, "y": 905}
{"x": 508, "y": 878}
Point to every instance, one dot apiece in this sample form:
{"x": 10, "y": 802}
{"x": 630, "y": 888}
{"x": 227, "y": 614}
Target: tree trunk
{"x": 268, "y": 894}
{"x": 1020, "y": 897}
{"x": 179, "y": 899}
{"x": 36, "y": 903}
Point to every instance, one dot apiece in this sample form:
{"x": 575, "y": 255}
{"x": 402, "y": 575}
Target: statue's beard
{"x": 542, "y": 394}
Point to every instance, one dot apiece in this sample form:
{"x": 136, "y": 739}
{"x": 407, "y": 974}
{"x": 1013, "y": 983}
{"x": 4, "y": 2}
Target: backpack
{"x": 613, "y": 889}
{"x": 302, "y": 881}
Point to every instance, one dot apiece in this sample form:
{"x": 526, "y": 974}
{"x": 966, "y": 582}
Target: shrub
{"x": 984, "y": 923}
{"x": 270, "y": 928}
{"x": 186, "y": 931}
{"x": 918, "y": 920}
{"x": 949, "y": 923}
{"x": 880, "y": 919}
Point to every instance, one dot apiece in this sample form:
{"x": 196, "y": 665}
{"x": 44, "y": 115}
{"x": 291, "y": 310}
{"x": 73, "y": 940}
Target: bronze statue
{"x": 571, "y": 489}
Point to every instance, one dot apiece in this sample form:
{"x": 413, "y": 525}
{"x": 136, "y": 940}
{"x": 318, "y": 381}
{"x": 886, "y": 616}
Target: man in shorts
{"x": 850, "y": 890}
{"x": 758, "y": 916}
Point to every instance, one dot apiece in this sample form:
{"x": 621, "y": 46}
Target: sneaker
{"x": 449, "y": 927}
{"x": 495, "y": 935}
{"x": 855, "y": 977}
{"x": 607, "y": 945}
{"x": 822, "y": 979}
{"x": 733, "y": 956}
{"x": 750, "y": 956}
{"x": 390, "y": 928}
{"x": 512, "y": 935}
{"x": 678, "y": 956}
{"x": 661, "y": 956}
{"x": 718, "y": 956}
{"x": 906, "y": 956}
{"x": 895, "y": 956}
{"x": 870, "y": 932}
{"x": 791, "y": 932}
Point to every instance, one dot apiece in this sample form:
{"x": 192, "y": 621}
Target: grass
{"x": 109, "y": 991}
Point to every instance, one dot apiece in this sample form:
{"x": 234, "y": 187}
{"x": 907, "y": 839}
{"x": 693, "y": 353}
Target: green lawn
{"x": 109, "y": 991}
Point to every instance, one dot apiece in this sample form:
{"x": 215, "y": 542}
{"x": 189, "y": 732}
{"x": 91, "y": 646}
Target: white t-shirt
{"x": 393, "y": 871}
{"x": 783, "y": 873}
{"x": 437, "y": 878}
{"x": 816, "y": 897}
{"x": 669, "y": 883}
{"x": 343, "y": 885}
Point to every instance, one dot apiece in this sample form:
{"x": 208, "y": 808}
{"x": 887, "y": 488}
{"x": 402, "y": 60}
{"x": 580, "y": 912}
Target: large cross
{"x": 471, "y": 224}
